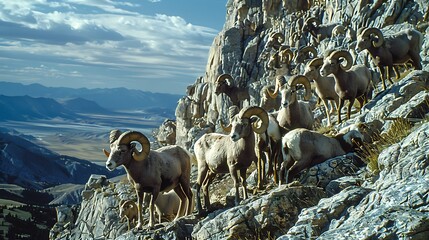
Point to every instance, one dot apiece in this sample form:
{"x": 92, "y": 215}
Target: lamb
{"x": 128, "y": 210}
{"x": 236, "y": 94}
{"x": 219, "y": 153}
{"x": 319, "y": 32}
{"x": 151, "y": 171}
{"x": 294, "y": 113}
{"x": 350, "y": 82}
{"x": 393, "y": 50}
{"x": 303, "y": 148}
{"x": 325, "y": 86}
{"x": 167, "y": 204}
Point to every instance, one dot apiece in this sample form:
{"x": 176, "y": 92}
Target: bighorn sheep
{"x": 307, "y": 52}
{"x": 319, "y": 32}
{"x": 236, "y": 94}
{"x": 303, "y": 149}
{"x": 128, "y": 210}
{"x": 268, "y": 103}
{"x": 350, "y": 82}
{"x": 392, "y": 50}
{"x": 151, "y": 171}
{"x": 167, "y": 204}
{"x": 293, "y": 113}
{"x": 325, "y": 86}
{"x": 166, "y": 134}
{"x": 218, "y": 153}
{"x": 275, "y": 40}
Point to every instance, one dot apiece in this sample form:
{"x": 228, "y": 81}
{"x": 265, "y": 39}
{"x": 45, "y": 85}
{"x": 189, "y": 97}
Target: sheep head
{"x": 370, "y": 37}
{"x": 285, "y": 54}
{"x": 289, "y": 93}
{"x": 126, "y": 209}
{"x": 280, "y": 81}
{"x": 312, "y": 68}
{"x": 275, "y": 40}
{"x": 243, "y": 122}
{"x": 310, "y": 24}
{"x": 122, "y": 150}
{"x": 353, "y": 138}
{"x": 304, "y": 54}
{"x": 222, "y": 84}
{"x": 336, "y": 60}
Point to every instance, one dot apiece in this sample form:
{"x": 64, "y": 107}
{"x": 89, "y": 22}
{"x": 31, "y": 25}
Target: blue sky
{"x": 151, "y": 45}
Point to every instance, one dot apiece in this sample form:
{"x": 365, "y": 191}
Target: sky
{"x": 150, "y": 45}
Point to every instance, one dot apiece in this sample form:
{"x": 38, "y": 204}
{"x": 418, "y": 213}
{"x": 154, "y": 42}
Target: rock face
{"x": 338, "y": 199}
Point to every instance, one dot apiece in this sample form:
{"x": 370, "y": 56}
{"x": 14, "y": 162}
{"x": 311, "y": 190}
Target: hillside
{"x": 113, "y": 99}
{"x": 377, "y": 192}
{"x": 30, "y": 166}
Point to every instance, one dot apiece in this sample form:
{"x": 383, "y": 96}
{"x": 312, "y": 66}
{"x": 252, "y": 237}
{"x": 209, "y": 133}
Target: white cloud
{"x": 84, "y": 36}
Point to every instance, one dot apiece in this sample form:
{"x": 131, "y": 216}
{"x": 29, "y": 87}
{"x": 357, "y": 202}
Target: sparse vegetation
{"x": 369, "y": 153}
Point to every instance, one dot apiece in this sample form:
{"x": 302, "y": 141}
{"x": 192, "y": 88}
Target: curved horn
{"x": 286, "y": 55}
{"x": 311, "y": 21}
{"x": 343, "y": 54}
{"x": 316, "y": 62}
{"x": 338, "y": 30}
{"x": 279, "y": 36}
{"x": 309, "y": 49}
{"x": 260, "y": 113}
{"x": 128, "y": 137}
{"x": 295, "y": 36}
{"x": 223, "y": 77}
{"x": 301, "y": 79}
{"x": 376, "y": 42}
{"x": 280, "y": 81}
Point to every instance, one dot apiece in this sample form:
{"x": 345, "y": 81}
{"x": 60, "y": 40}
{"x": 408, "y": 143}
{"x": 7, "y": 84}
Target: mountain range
{"x": 112, "y": 99}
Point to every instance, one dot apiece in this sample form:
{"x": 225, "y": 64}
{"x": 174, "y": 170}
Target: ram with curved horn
{"x": 275, "y": 40}
{"x": 351, "y": 82}
{"x": 151, "y": 171}
{"x": 224, "y": 84}
{"x": 396, "y": 49}
{"x": 294, "y": 113}
{"x": 305, "y": 53}
{"x": 325, "y": 86}
{"x": 318, "y": 31}
{"x": 219, "y": 153}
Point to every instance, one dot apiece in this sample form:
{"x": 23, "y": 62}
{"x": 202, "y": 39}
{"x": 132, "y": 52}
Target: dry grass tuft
{"x": 369, "y": 152}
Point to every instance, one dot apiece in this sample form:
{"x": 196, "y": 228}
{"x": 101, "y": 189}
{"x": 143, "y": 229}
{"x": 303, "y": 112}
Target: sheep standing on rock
{"x": 128, "y": 210}
{"x": 151, "y": 171}
{"x": 351, "y": 82}
{"x": 303, "y": 149}
{"x": 293, "y": 113}
{"x": 236, "y": 94}
{"x": 325, "y": 86}
{"x": 218, "y": 153}
{"x": 393, "y": 50}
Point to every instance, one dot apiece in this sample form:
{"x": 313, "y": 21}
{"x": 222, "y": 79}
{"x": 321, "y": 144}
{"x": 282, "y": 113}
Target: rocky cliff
{"x": 338, "y": 199}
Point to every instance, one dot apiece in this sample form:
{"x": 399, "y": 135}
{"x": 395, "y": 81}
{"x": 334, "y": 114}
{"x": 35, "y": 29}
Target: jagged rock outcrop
{"x": 355, "y": 203}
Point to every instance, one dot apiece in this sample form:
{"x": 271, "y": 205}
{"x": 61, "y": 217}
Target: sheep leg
{"x": 382, "y": 76}
{"x": 139, "y": 206}
{"x": 415, "y": 58}
{"x": 155, "y": 193}
{"x": 234, "y": 177}
{"x": 179, "y": 191}
{"x": 349, "y": 107}
{"x": 202, "y": 175}
{"x": 325, "y": 103}
{"x": 243, "y": 181}
{"x": 340, "y": 106}
{"x": 207, "y": 181}
{"x": 185, "y": 186}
